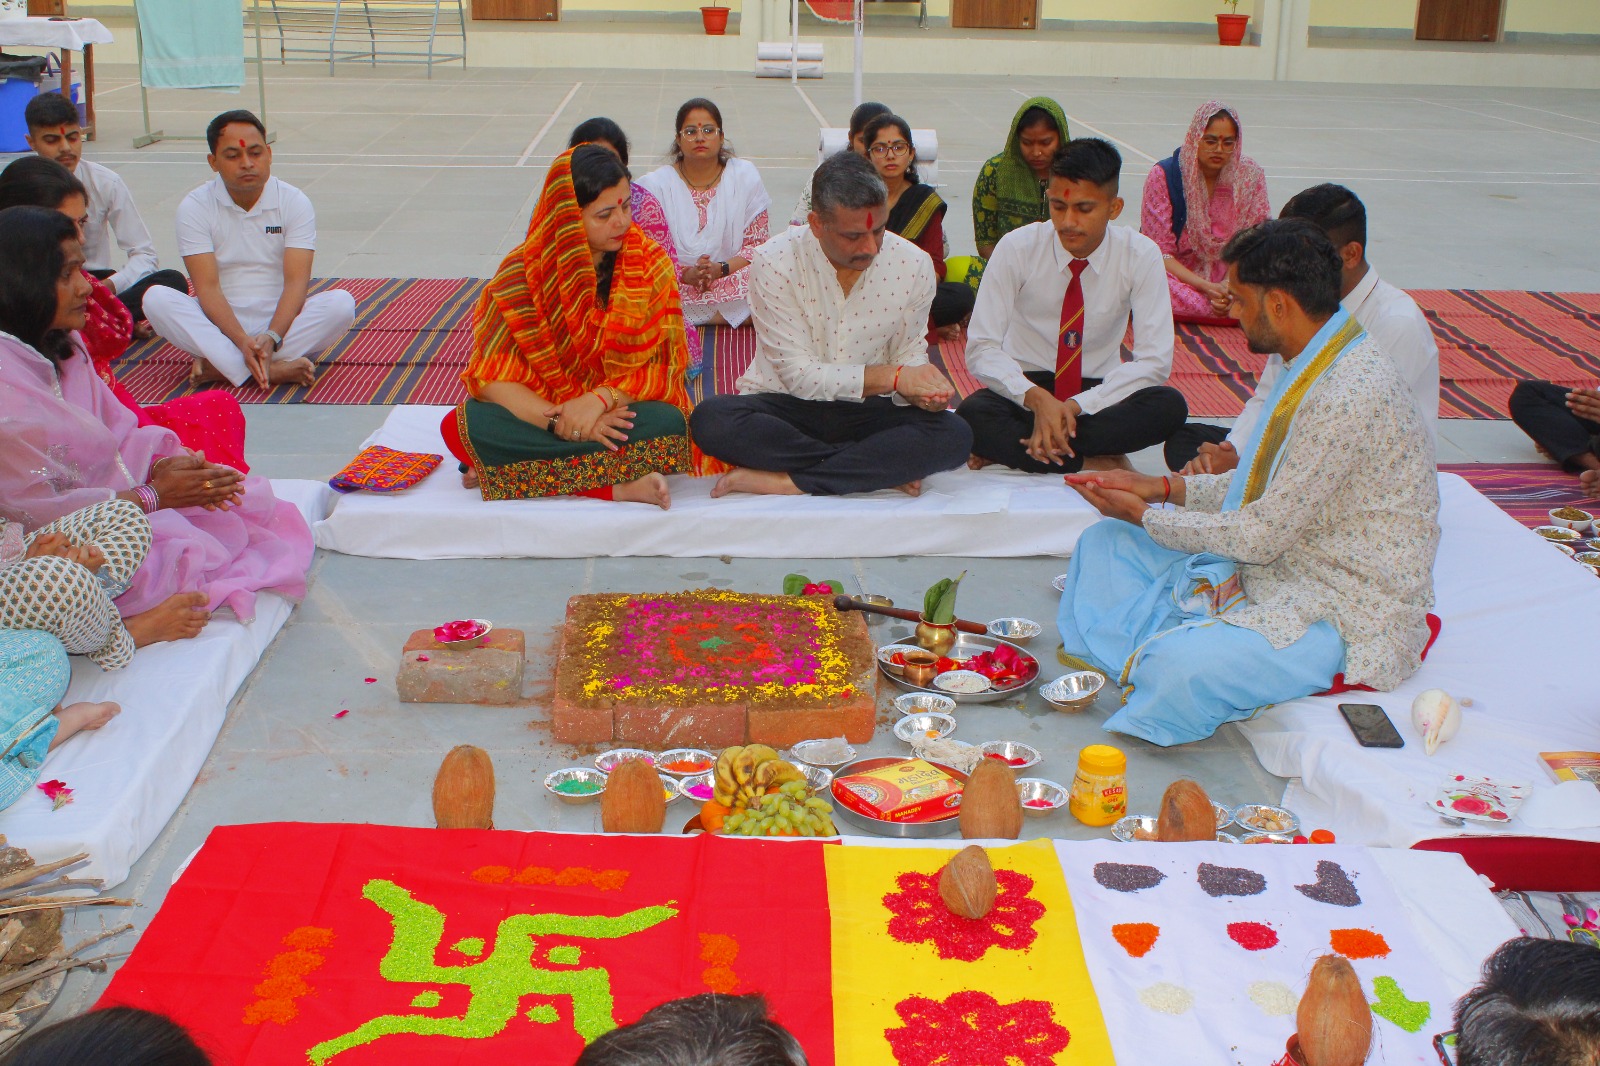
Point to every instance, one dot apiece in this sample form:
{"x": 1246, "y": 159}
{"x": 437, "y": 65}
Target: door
{"x": 1458, "y": 20}
{"x": 518, "y": 10}
{"x": 995, "y": 14}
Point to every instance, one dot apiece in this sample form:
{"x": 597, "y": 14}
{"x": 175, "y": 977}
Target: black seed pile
{"x": 1332, "y": 885}
{"x": 1126, "y": 877}
{"x": 1230, "y": 881}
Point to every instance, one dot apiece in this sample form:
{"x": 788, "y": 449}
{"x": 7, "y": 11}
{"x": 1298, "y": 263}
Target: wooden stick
{"x": 59, "y": 904}
{"x": 46, "y": 966}
{"x": 53, "y": 883}
{"x": 33, "y": 873}
{"x": 848, "y": 603}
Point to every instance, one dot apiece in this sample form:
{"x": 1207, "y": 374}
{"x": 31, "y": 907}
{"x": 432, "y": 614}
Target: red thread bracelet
{"x": 1166, "y": 486}
{"x": 894, "y": 386}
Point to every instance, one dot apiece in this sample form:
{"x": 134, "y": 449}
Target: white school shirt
{"x": 249, "y": 245}
{"x": 815, "y": 342}
{"x": 111, "y": 213}
{"x": 1398, "y": 325}
{"x": 1018, "y": 314}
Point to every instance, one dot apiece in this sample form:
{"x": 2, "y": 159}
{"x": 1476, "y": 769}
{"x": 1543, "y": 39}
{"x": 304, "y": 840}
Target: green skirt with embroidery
{"x": 518, "y": 461}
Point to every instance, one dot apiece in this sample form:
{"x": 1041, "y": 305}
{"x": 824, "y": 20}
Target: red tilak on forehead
{"x": 241, "y": 142}
{"x": 869, "y": 219}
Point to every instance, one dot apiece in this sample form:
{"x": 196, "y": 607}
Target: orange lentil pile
{"x": 1359, "y": 943}
{"x": 1136, "y": 938}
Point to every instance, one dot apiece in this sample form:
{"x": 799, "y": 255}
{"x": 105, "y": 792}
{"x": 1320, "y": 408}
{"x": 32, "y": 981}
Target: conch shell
{"x": 1437, "y": 716}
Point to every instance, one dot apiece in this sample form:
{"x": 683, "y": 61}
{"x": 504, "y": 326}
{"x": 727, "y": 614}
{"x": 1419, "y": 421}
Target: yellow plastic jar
{"x": 1100, "y": 787}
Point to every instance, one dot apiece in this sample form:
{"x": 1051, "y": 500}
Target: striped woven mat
{"x": 1527, "y": 492}
{"x": 413, "y": 337}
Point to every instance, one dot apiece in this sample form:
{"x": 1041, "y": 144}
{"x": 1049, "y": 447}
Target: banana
{"x": 760, "y": 752}
{"x": 744, "y": 765}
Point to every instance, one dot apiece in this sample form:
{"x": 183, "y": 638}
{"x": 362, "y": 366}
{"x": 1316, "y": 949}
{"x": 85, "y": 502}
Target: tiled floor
{"x": 1466, "y": 187}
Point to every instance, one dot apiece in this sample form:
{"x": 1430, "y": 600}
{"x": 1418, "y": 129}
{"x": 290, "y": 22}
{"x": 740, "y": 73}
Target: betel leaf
{"x": 939, "y": 604}
{"x": 794, "y": 584}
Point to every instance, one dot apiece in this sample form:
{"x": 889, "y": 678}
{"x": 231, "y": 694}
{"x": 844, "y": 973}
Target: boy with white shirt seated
{"x": 248, "y": 240}
{"x": 54, "y": 132}
{"x": 1046, "y": 334}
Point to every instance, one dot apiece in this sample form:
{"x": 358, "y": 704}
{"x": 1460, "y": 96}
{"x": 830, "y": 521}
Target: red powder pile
{"x": 1253, "y": 936}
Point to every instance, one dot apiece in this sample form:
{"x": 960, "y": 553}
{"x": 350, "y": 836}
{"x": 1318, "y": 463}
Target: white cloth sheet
{"x": 961, "y": 512}
{"x": 1521, "y": 623}
{"x": 129, "y": 777}
{"x": 42, "y": 32}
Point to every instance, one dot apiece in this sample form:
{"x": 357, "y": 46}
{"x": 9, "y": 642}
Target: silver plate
{"x": 879, "y": 827}
{"x": 966, "y": 646}
{"x": 1288, "y": 827}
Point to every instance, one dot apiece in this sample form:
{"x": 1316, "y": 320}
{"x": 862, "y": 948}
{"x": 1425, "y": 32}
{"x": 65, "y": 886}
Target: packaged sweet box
{"x": 909, "y": 791}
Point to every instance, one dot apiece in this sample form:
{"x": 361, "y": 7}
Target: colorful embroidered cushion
{"x": 380, "y": 469}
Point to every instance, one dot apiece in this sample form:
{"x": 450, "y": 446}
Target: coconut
{"x": 1334, "y": 1021}
{"x": 967, "y": 883}
{"x": 463, "y": 791}
{"x": 633, "y": 801}
{"x": 1186, "y": 813}
{"x": 990, "y": 806}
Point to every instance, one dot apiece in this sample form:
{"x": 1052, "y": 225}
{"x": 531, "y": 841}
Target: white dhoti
{"x": 179, "y": 318}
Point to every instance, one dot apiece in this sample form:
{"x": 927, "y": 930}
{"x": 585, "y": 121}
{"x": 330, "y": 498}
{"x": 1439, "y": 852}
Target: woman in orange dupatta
{"x": 579, "y": 355}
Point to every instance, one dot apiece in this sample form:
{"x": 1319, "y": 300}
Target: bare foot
{"x": 203, "y": 373}
{"x": 1590, "y": 480}
{"x": 178, "y": 617}
{"x": 1107, "y": 462}
{"x": 652, "y": 488}
{"x": 760, "y": 482}
{"x": 469, "y": 478}
{"x": 80, "y": 718}
{"x": 293, "y": 372}
{"x": 143, "y": 330}
{"x": 978, "y": 462}
{"x": 911, "y": 488}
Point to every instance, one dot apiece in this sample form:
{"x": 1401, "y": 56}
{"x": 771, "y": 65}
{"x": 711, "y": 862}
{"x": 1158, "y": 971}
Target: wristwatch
{"x": 724, "y": 266}
{"x": 277, "y": 341}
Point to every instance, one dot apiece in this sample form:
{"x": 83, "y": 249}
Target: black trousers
{"x": 1539, "y": 408}
{"x": 830, "y": 447}
{"x": 133, "y": 296}
{"x": 952, "y": 301}
{"x": 1184, "y": 445}
{"x": 999, "y": 426}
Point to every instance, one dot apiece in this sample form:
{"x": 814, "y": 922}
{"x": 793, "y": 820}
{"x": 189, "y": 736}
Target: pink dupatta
{"x": 67, "y": 442}
{"x": 1241, "y": 185}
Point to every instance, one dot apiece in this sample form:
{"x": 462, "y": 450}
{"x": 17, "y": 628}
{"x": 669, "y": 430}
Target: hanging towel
{"x": 192, "y": 44}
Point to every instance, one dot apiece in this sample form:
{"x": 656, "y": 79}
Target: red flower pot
{"x": 1230, "y": 29}
{"x": 715, "y": 20}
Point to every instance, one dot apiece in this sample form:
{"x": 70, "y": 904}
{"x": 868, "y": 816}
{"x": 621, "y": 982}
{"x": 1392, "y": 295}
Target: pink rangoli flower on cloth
{"x": 57, "y": 793}
{"x": 921, "y": 917}
{"x": 974, "y": 1029}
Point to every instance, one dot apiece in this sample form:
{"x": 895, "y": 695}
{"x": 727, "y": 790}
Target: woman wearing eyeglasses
{"x": 916, "y": 212}
{"x": 716, "y": 208}
{"x": 1195, "y": 200}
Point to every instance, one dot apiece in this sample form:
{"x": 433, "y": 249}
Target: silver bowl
{"x": 1265, "y": 818}
{"x": 879, "y": 827}
{"x": 1013, "y": 749}
{"x": 682, "y": 754}
{"x": 892, "y": 669}
{"x": 669, "y": 786}
{"x": 468, "y": 642}
{"x": 1074, "y": 691}
{"x": 818, "y": 778}
{"x": 608, "y": 761}
{"x": 914, "y": 727}
{"x": 804, "y": 752}
{"x": 1224, "y": 814}
{"x": 1264, "y": 838}
{"x": 1559, "y": 534}
{"x": 1016, "y": 630}
{"x": 1035, "y": 789}
{"x": 962, "y": 683}
{"x": 966, "y": 646}
{"x": 1141, "y": 828}
{"x": 1059, "y": 582}
{"x": 875, "y": 600}
{"x": 575, "y": 773}
{"x": 924, "y": 703}
{"x": 687, "y": 785}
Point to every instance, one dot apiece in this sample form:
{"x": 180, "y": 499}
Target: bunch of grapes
{"x": 784, "y": 813}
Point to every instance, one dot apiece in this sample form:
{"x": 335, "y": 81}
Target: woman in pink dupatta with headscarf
{"x": 67, "y": 442}
{"x": 1195, "y": 200}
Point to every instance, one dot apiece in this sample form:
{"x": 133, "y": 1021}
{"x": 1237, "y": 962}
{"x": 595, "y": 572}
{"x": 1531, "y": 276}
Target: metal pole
{"x": 794, "y": 43}
{"x": 261, "y": 68}
{"x": 861, "y": 46}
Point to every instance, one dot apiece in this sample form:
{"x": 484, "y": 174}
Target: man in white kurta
{"x": 840, "y": 396}
{"x": 1313, "y": 559}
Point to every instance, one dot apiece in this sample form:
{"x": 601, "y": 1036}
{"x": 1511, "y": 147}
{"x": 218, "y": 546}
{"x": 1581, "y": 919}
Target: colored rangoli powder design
{"x": 1127, "y": 877}
{"x": 1358, "y": 943}
{"x": 1275, "y": 998}
{"x": 1167, "y": 998}
{"x": 1230, "y": 881}
{"x": 498, "y": 982}
{"x": 974, "y": 1029}
{"x": 1409, "y": 1014}
{"x": 920, "y": 916}
{"x": 1253, "y": 936}
{"x": 1136, "y": 938}
{"x": 565, "y": 877}
{"x": 284, "y": 976}
{"x": 719, "y": 949}
{"x": 1332, "y": 885}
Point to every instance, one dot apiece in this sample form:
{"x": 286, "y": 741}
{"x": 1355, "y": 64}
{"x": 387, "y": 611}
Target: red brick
{"x": 571, "y": 723}
{"x": 489, "y": 673}
{"x": 700, "y": 726}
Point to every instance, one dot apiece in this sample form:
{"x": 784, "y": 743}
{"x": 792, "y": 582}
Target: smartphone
{"x": 1371, "y": 726}
{"x": 1445, "y": 1045}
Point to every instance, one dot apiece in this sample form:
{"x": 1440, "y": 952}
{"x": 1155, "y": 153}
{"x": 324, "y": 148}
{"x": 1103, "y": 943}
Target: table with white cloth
{"x": 68, "y": 35}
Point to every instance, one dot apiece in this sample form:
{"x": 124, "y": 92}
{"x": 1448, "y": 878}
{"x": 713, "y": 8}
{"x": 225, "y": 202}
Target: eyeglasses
{"x": 707, "y": 130}
{"x": 897, "y": 148}
{"x": 1211, "y": 141}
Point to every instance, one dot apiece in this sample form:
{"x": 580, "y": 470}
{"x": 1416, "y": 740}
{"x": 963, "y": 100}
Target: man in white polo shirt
{"x": 248, "y": 240}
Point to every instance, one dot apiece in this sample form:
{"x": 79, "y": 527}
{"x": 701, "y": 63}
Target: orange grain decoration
{"x": 1358, "y": 943}
{"x": 566, "y": 877}
{"x": 1136, "y": 938}
{"x": 719, "y": 950}
{"x": 284, "y": 976}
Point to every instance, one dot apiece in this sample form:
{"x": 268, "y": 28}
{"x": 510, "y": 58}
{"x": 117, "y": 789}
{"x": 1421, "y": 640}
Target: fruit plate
{"x": 1478, "y": 799}
{"x": 877, "y": 826}
{"x": 966, "y": 646}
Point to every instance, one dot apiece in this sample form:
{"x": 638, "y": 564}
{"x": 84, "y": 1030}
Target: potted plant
{"x": 715, "y": 19}
{"x": 1230, "y": 24}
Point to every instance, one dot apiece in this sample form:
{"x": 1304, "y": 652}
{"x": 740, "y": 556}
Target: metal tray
{"x": 878, "y": 827}
{"x": 966, "y": 646}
